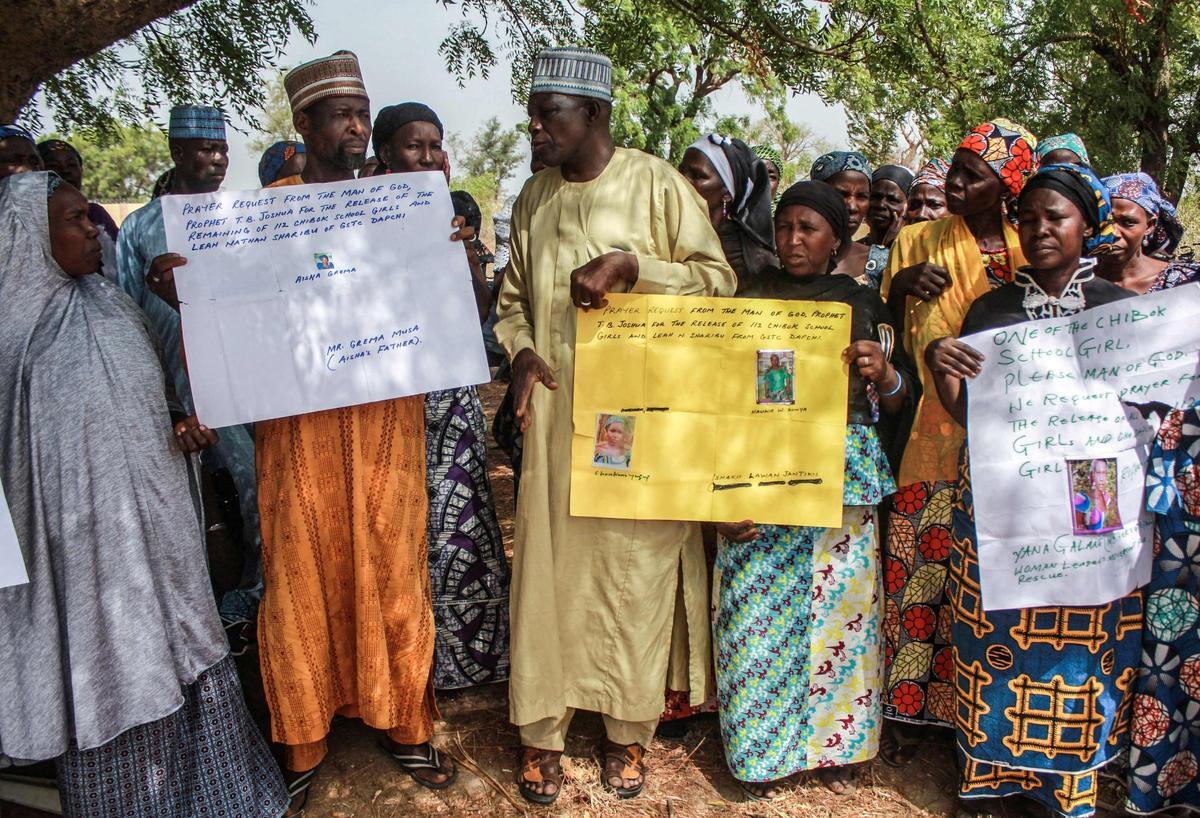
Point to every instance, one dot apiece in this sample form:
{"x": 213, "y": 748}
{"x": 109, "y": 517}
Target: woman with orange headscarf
{"x": 936, "y": 271}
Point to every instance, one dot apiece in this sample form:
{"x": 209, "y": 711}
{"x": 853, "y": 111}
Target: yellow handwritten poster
{"x": 710, "y": 409}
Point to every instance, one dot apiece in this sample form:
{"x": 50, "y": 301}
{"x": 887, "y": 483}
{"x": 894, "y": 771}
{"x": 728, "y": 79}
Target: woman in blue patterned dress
{"x": 1041, "y": 694}
{"x": 799, "y": 664}
{"x": 1164, "y": 771}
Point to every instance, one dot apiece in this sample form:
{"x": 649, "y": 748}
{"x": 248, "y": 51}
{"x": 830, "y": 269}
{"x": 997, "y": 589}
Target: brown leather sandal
{"x": 624, "y": 762}
{"x": 536, "y": 766}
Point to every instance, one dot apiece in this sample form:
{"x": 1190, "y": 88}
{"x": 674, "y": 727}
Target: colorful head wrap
{"x": 825, "y": 200}
{"x": 1084, "y": 188}
{"x": 932, "y": 174}
{"x": 1007, "y": 148}
{"x": 1064, "y": 142}
{"x": 831, "y": 164}
{"x": 7, "y": 131}
{"x": 196, "y": 122}
{"x": 274, "y": 158}
{"x": 1140, "y": 188}
{"x": 900, "y": 175}
{"x": 337, "y": 75}
{"x": 49, "y": 146}
{"x": 579, "y": 72}
{"x": 768, "y": 154}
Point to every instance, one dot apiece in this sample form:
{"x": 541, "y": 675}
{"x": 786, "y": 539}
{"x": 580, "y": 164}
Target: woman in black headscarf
{"x": 466, "y": 551}
{"x": 735, "y": 185}
{"x": 779, "y": 585}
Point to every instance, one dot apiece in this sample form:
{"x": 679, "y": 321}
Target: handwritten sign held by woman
{"x": 1059, "y": 425}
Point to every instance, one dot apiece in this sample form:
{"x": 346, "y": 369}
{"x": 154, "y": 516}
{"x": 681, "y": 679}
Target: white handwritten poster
{"x": 12, "y": 564}
{"x": 1058, "y": 447}
{"x": 311, "y": 297}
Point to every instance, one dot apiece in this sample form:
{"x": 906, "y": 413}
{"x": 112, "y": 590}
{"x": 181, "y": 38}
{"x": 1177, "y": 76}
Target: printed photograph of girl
{"x": 1094, "y": 495}
{"x": 614, "y": 442}
{"x": 776, "y": 376}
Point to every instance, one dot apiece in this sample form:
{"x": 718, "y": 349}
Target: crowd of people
{"x": 373, "y": 571}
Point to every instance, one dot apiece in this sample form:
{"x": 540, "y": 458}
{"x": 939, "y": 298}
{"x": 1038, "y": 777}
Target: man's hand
{"x": 594, "y": 280}
{"x": 161, "y": 278}
{"x": 528, "y": 370}
{"x": 192, "y": 436}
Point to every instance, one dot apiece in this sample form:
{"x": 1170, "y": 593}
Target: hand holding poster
{"x": 12, "y": 564}
{"x": 688, "y": 409}
{"x": 310, "y": 297}
{"x": 1058, "y": 446}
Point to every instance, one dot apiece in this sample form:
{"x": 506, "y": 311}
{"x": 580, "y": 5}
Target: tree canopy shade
{"x": 103, "y": 61}
{"x": 1125, "y": 74}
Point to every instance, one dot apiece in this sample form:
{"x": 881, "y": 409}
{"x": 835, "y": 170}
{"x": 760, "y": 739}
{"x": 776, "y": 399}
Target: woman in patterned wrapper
{"x": 1042, "y": 695}
{"x": 612, "y": 445}
{"x": 469, "y": 573}
{"x": 797, "y": 629}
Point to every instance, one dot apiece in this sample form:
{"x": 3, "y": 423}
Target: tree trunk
{"x": 41, "y": 38}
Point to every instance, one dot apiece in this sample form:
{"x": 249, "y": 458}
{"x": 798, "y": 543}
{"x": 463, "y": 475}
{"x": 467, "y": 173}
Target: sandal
{"x": 298, "y": 792}
{"x": 534, "y": 767}
{"x": 624, "y": 762}
{"x": 764, "y": 790}
{"x": 840, "y": 780}
{"x": 430, "y": 759}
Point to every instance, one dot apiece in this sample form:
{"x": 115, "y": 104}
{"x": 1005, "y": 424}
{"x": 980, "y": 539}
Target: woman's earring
{"x": 725, "y": 208}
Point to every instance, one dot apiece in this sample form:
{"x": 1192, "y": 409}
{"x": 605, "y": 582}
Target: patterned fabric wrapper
{"x": 833, "y": 163}
{"x": 916, "y": 620}
{"x": 1007, "y": 147}
{"x": 1064, "y": 142}
{"x": 1140, "y": 188}
{"x": 579, "y": 72}
{"x": 797, "y": 634}
{"x": 196, "y": 122}
{"x": 933, "y": 173}
{"x": 1042, "y": 695}
{"x": 205, "y": 759}
{"x": 466, "y": 549}
{"x": 1164, "y": 771}
{"x": 337, "y": 75}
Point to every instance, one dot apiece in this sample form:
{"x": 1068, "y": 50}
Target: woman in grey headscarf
{"x": 112, "y": 657}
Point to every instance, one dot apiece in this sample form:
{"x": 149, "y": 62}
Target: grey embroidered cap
{"x": 580, "y": 72}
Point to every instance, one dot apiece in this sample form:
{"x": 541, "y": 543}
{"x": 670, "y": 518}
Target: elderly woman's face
{"x": 855, "y": 188}
{"x": 972, "y": 186}
{"x": 416, "y": 146}
{"x": 888, "y": 203}
{"x": 74, "y": 240}
{"x": 805, "y": 240}
{"x": 698, "y": 170}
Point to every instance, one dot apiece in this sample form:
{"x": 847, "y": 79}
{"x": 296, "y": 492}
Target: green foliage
{"x": 211, "y": 53}
{"x": 487, "y": 195}
{"x": 493, "y": 152}
{"x": 123, "y": 167}
{"x": 275, "y": 123}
